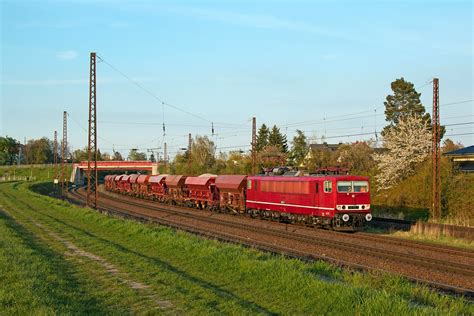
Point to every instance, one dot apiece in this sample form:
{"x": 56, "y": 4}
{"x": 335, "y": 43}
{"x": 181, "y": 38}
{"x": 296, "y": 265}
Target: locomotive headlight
{"x": 343, "y": 207}
{"x": 345, "y": 217}
{"x": 368, "y": 217}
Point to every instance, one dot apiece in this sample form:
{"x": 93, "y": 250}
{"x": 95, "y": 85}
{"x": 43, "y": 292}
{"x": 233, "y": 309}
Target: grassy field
{"x": 39, "y": 172}
{"x": 59, "y": 258}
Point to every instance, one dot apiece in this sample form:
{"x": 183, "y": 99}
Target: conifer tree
{"x": 277, "y": 139}
{"x": 262, "y": 137}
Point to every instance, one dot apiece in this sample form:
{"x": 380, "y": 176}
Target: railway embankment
{"x": 82, "y": 261}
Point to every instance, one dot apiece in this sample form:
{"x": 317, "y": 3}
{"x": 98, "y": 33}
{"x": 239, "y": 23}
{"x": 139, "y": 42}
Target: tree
{"x": 357, "y": 157}
{"x": 38, "y": 151}
{"x": 78, "y": 155}
{"x": 272, "y": 156}
{"x": 203, "y": 153}
{"x": 9, "y": 150}
{"x": 299, "y": 148}
{"x": 135, "y": 155}
{"x": 407, "y": 144}
{"x": 117, "y": 156}
{"x": 449, "y": 145}
{"x": 262, "y": 137}
{"x": 404, "y": 102}
{"x": 238, "y": 163}
{"x": 106, "y": 156}
{"x": 277, "y": 139}
{"x": 83, "y": 155}
{"x": 318, "y": 159}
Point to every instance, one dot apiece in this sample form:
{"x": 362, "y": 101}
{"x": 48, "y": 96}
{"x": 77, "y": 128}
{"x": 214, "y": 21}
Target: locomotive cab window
{"x": 327, "y": 186}
{"x": 249, "y": 184}
{"x": 361, "y": 186}
{"x": 344, "y": 186}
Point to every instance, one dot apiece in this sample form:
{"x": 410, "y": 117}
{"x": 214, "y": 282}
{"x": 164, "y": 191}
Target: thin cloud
{"x": 258, "y": 21}
{"x": 67, "y": 55}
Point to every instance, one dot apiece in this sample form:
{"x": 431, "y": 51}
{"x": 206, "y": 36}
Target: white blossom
{"x": 407, "y": 144}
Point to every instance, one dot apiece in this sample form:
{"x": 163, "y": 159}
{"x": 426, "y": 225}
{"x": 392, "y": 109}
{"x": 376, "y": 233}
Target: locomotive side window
{"x": 361, "y": 186}
{"x": 327, "y": 186}
{"x": 249, "y": 184}
{"x": 344, "y": 186}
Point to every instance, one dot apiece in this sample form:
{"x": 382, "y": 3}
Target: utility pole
{"x": 165, "y": 154}
{"x": 55, "y": 162}
{"x": 436, "y": 207}
{"x": 190, "y": 142}
{"x": 64, "y": 155}
{"x": 92, "y": 138}
{"x": 254, "y": 145}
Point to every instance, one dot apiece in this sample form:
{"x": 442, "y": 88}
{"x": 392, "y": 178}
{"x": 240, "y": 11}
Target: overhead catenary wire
{"x": 154, "y": 96}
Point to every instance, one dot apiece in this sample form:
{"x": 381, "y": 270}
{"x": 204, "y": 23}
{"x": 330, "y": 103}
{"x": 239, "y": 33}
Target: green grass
{"x": 59, "y": 258}
{"x": 40, "y": 172}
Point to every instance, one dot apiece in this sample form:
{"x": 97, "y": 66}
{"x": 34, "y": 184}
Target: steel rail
{"x": 441, "y": 265}
{"x": 276, "y": 249}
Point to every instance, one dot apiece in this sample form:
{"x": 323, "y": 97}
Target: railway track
{"x": 176, "y": 217}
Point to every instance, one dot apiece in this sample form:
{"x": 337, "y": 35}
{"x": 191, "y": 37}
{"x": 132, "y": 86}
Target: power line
{"x": 459, "y": 102}
{"x": 343, "y": 117}
{"x": 158, "y": 124}
{"x": 151, "y": 93}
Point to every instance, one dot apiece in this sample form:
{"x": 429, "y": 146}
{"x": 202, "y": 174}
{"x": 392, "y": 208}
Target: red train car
{"x": 202, "y": 191}
{"x": 176, "y": 189}
{"x": 157, "y": 187}
{"x": 232, "y": 189}
{"x": 134, "y": 186}
{"x": 142, "y": 182}
{"x": 108, "y": 182}
{"x": 124, "y": 184}
{"x": 336, "y": 201}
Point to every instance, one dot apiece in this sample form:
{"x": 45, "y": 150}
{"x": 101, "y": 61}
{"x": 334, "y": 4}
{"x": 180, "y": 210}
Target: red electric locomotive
{"x": 339, "y": 202}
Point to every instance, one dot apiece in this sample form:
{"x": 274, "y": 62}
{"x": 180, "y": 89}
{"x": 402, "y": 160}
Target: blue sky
{"x": 285, "y": 62}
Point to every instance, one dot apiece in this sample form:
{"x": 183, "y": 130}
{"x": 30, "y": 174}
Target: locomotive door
{"x": 316, "y": 191}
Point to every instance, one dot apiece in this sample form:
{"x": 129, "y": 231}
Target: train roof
{"x": 118, "y": 177}
{"x": 157, "y": 178}
{"x": 175, "y": 180}
{"x": 133, "y": 178}
{"x": 310, "y": 178}
{"x": 200, "y": 181}
{"x": 143, "y": 178}
{"x": 230, "y": 182}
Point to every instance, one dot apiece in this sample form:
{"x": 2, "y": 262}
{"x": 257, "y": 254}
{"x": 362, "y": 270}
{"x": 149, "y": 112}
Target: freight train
{"x": 339, "y": 202}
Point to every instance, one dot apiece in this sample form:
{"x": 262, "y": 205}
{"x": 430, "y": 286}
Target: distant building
{"x": 324, "y": 147}
{"x": 463, "y": 158}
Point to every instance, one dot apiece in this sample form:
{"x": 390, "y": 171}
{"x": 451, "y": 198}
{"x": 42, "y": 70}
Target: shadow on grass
{"x": 218, "y": 291}
{"x": 56, "y": 295}
{"x": 44, "y": 188}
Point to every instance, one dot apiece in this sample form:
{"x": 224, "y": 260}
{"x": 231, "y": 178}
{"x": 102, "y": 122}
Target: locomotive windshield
{"x": 344, "y": 186}
{"x": 352, "y": 186}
